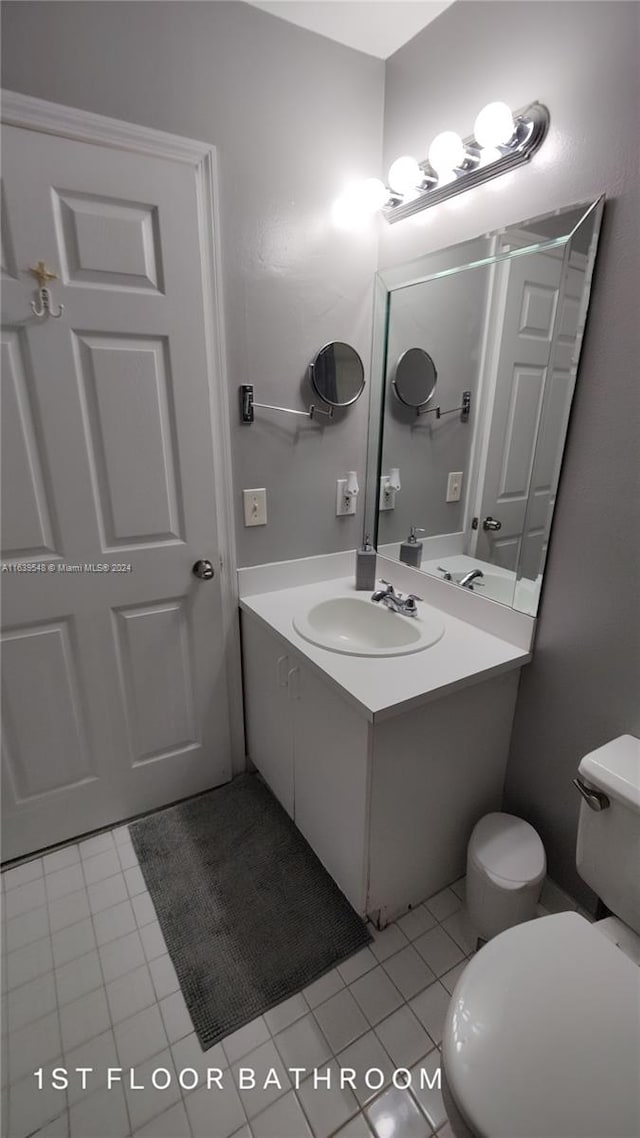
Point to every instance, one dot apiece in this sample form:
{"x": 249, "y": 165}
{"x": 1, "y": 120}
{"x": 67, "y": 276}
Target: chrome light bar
{"x": 530, "y": 128}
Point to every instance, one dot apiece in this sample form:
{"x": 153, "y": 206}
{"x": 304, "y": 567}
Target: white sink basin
{"x": 358, "y": 627}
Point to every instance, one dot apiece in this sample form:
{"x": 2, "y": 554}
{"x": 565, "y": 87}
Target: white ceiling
{"x": 377, "y": 27}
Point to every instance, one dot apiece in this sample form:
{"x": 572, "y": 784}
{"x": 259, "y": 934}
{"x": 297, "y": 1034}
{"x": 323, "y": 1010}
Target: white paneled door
{"x": 524, "y": 334}
{"x": 554, "y": 417}
{"x": 114, "y": 683}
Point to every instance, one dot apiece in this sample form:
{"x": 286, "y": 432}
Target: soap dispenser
{"x": 411, "y": 549}
{"x": 366, "y": 566}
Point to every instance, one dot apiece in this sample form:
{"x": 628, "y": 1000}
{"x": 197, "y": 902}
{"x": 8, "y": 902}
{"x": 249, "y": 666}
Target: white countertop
{"x": 384, "y": 687}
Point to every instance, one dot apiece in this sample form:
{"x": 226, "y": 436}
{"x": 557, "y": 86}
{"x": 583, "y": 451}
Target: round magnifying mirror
{"x": 415, "y": 377}
{"x": 337, "y": 374}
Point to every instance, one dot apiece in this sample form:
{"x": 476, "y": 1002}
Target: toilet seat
{"x": 542, "y": 1036}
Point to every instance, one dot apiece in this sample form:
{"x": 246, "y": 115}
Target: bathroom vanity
{"x": 386, "y": 754}
{"x": 386, "y": 763}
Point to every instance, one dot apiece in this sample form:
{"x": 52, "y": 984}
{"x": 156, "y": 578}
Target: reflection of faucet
{"x": 466, "y": 581}
{"x": 395, "y": 601}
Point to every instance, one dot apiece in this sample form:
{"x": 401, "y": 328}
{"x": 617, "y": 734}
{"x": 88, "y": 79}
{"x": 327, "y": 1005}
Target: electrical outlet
{"x": 255, "y": 507}
{"x": 387, "y": 499}
{"x": 454, "y": 486}
{"x": 345, "y": 503}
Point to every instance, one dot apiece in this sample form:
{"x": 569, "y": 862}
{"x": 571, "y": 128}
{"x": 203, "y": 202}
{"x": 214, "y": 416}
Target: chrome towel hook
{"x": 44, "y": 305}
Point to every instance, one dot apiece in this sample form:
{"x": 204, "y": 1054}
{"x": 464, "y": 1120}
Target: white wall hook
{"x": 44, "y": 307}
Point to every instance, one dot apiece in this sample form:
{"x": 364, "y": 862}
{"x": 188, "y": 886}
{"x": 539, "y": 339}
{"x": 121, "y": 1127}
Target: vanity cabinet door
{"x": 330, "y": 771}
{"x": 269, "y": 726}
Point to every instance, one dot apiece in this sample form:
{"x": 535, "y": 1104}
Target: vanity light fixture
{"x": 501, "y": 141}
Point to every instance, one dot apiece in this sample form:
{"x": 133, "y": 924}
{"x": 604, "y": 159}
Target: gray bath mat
{"x": 248, "y": 912}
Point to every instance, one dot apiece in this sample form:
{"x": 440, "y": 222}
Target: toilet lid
{"x": 542, "y": 1037}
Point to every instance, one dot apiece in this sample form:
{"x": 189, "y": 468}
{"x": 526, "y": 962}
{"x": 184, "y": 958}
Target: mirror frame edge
{"x": 379, "y": 332}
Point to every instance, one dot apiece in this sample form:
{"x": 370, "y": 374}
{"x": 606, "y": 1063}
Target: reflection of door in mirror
{"x": 528, "y": 401}
{"x": 523, "y": 309}
{"x": 554, "y": 418}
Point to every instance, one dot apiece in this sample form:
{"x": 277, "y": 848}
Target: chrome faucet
{"x": 396, "y": 601}
{"x": 468, "y": 578}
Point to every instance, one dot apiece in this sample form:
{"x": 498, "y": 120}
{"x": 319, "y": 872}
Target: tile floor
{"x": 87, "y": 982}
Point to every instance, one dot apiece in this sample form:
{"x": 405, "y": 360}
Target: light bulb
{"x": 446, "y": 152}
{"x": 494, "y": 125}
{"x": 404, "y": 174}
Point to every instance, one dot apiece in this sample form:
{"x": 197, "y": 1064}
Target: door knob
{"x": 491, "y": 523}
{"x": 203, "y": 569}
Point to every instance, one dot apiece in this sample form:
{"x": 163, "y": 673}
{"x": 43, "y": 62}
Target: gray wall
{"x": 581, "y": 59}
{"x": 294, "y": 116}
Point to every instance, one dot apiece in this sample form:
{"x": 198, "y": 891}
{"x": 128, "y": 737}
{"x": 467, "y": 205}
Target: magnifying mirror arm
{"x": 287, "y": 410}
{"x": 247, "y": 404}
{"x": 464, "y": 409}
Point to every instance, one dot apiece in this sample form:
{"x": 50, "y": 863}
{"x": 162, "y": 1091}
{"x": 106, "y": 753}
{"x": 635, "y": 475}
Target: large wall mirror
{"x": 498, "y": 323}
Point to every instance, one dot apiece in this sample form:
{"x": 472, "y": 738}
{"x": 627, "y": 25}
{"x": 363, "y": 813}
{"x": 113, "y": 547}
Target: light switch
{"x": 255, "y": 507}
{"x": 454, "y": 486}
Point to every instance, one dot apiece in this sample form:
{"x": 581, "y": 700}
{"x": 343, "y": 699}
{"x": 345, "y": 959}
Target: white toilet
{"x": 542, "y": 1036}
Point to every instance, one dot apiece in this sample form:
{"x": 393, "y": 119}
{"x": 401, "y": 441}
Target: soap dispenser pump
{"x": 411, "y": 549}
{"x": 366, "y": 566}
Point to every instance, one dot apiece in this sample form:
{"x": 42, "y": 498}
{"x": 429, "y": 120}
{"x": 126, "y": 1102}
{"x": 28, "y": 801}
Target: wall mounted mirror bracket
{"x": 247, "y": 404}
{"x": 464, "y": 409}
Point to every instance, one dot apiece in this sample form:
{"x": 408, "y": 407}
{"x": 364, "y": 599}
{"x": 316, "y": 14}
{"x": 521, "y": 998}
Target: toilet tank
{"x": 608, "y": 847}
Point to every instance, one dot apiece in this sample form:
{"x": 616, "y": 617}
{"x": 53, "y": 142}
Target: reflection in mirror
{"x": 504, "y": 316}
{"x": 337, "y": 374}
{"x": 414, "y": 378}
